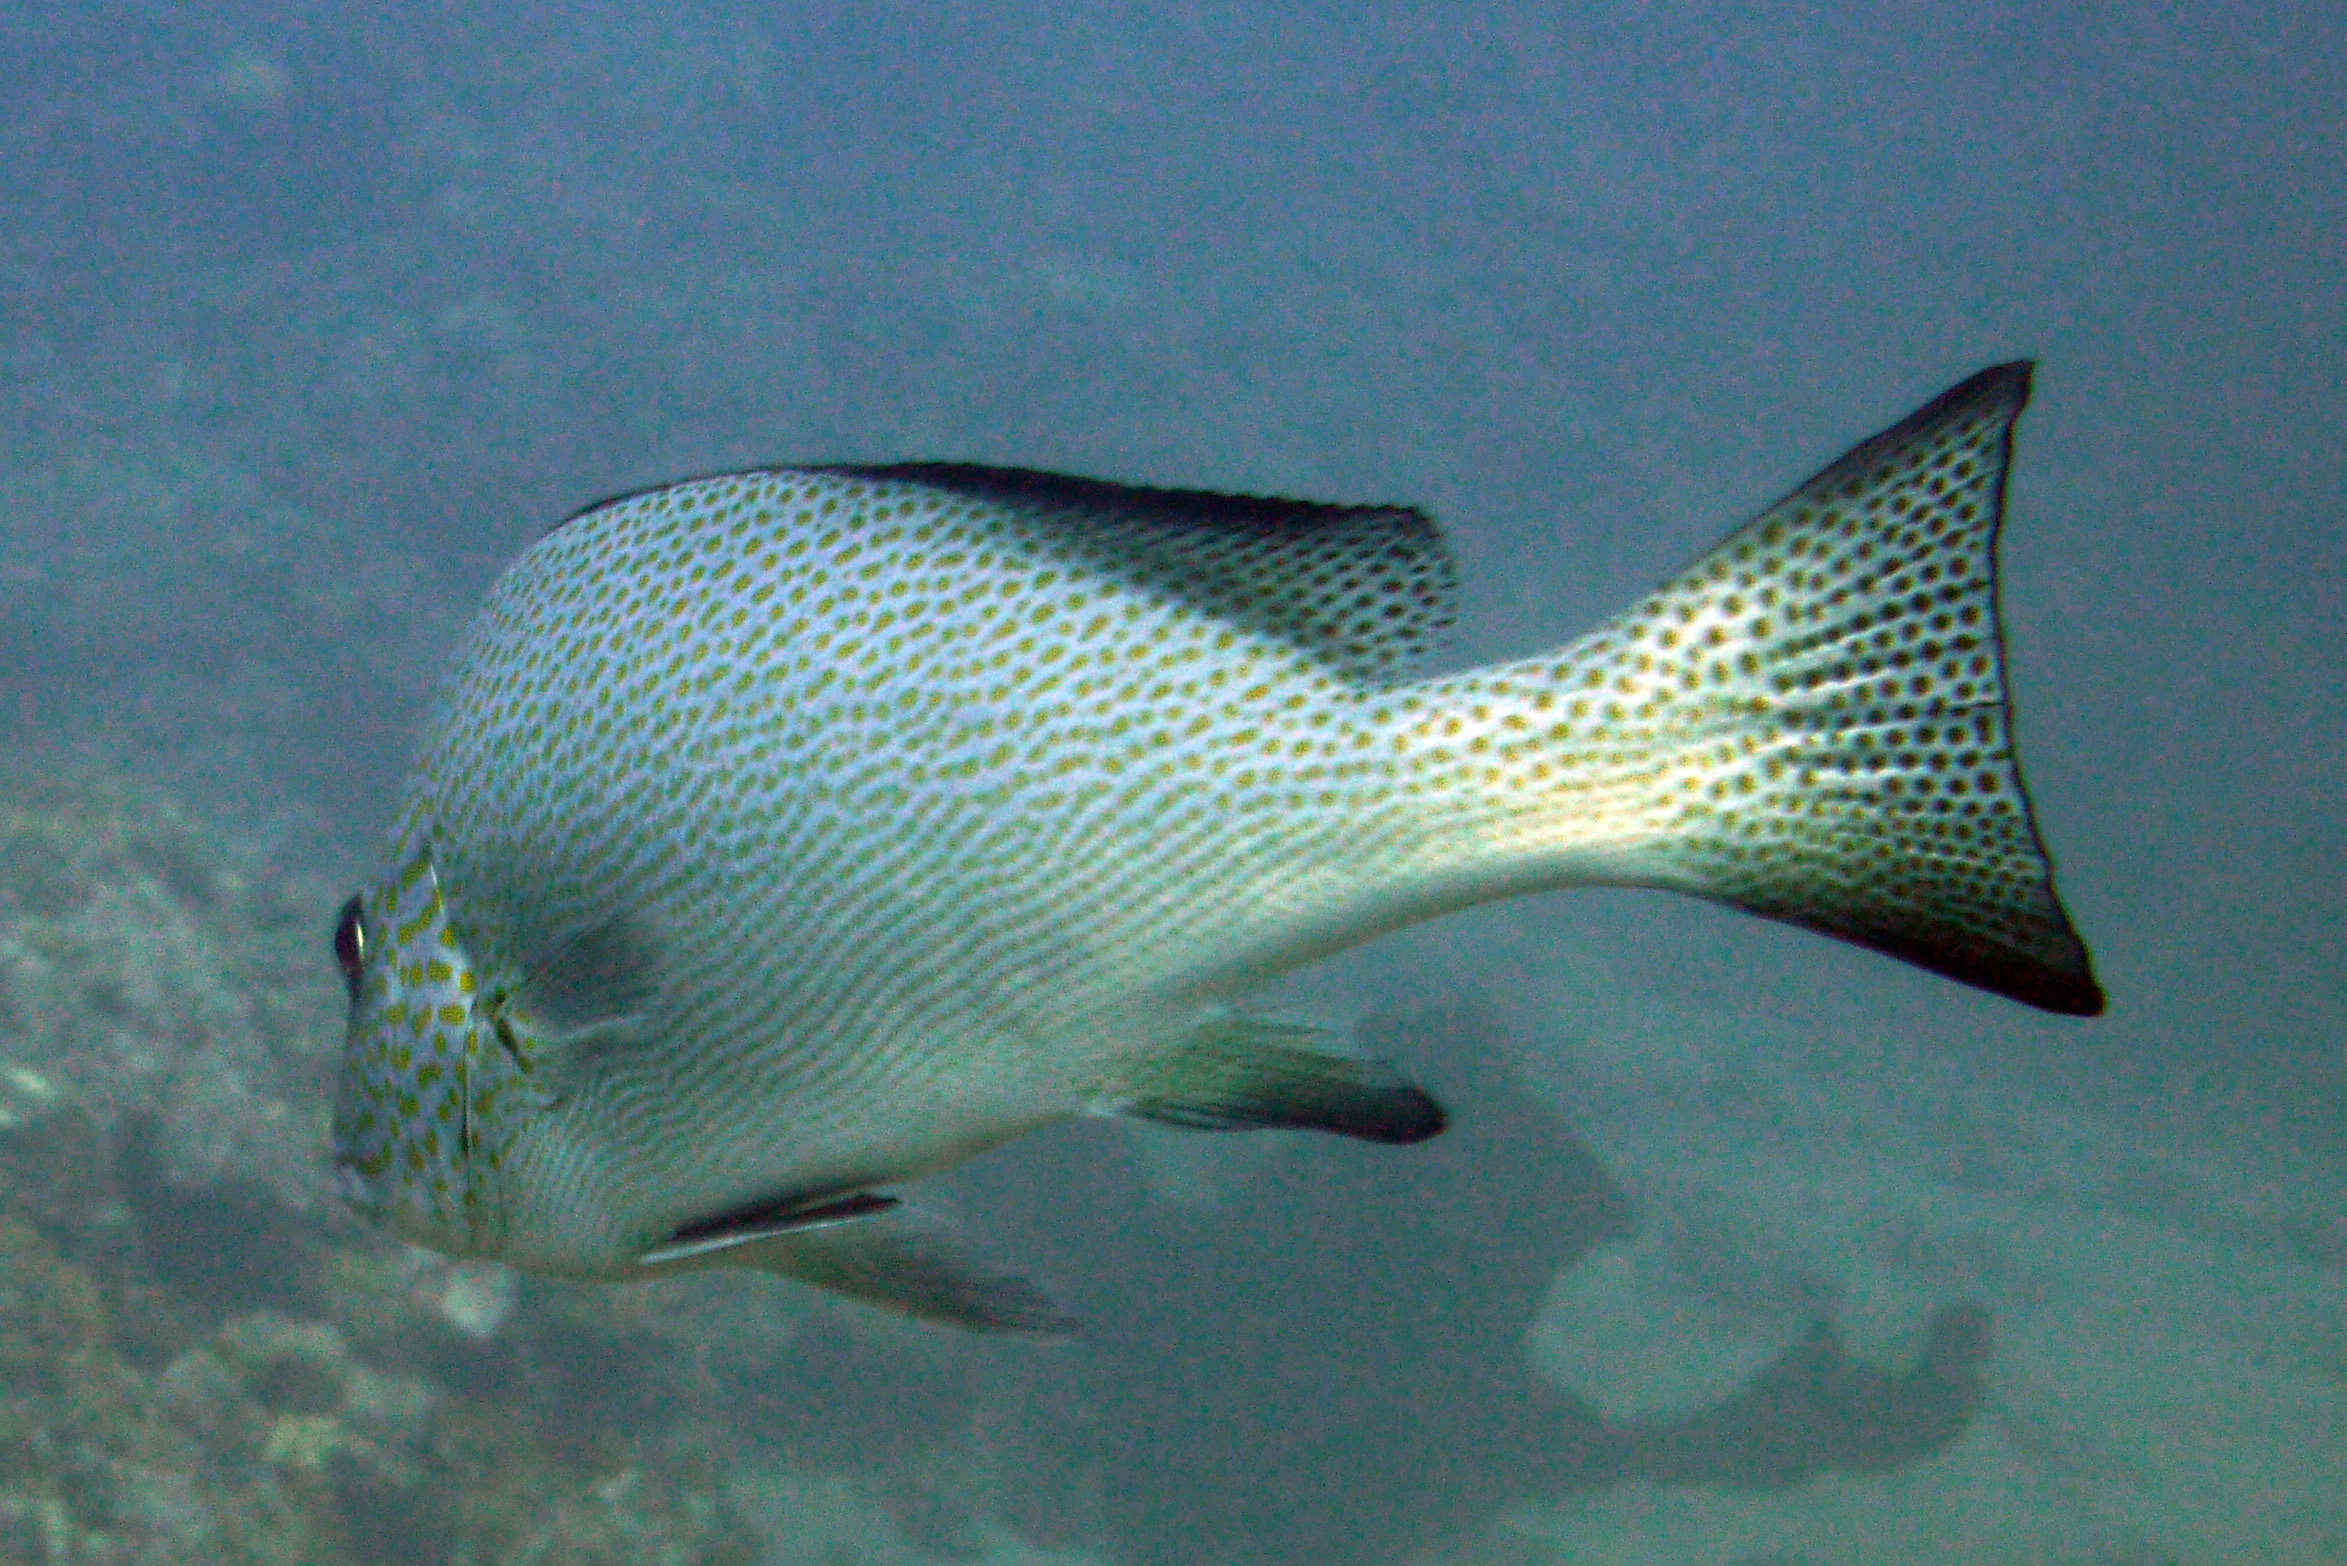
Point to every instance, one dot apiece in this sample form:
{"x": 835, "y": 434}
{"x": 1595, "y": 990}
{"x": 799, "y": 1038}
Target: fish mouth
{"x": 355, "y": 1189}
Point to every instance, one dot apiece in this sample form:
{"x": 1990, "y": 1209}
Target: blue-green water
{"x": 1743, "y": 1247}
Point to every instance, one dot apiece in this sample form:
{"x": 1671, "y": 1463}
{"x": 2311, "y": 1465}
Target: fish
{"x": 784, "y": 836}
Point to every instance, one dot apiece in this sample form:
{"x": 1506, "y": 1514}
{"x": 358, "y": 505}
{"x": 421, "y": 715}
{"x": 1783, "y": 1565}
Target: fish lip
{"x": 355, "y": 1189}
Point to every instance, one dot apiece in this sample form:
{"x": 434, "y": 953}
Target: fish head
{"x": 431, "y": 1074}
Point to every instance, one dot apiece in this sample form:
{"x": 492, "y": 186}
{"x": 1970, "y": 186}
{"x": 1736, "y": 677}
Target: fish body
{"x": 787, "y": 835}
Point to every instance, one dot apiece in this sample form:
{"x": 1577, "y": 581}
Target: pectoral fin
{"x": 1246, "y": 1073}
{"x": 583, "y": 1002}
{"x": 878, "y": 1250}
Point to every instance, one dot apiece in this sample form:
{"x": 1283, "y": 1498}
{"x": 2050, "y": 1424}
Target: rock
{"x": 478, "y": 1298}
{"x": 1632, "y": 1334}
{"x": 143, "y": 970}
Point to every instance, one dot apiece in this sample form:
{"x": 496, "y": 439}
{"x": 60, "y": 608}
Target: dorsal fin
{"x": 1367, "y": 590}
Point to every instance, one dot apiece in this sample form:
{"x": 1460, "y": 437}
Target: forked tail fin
{"x": 1810, "y": 724}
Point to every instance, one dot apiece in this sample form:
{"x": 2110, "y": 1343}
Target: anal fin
{"x": 1246, "y": 1073}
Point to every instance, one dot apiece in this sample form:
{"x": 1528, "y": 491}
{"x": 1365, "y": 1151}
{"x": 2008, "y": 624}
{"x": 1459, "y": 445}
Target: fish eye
{"x": 350, "y": 946}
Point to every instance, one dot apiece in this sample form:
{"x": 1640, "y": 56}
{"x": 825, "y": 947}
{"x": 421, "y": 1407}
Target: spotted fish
{"x": 786, "y": 835}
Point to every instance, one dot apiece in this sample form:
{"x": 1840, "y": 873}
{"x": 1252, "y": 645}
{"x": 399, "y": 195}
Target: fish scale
{"x": 809, "y": 830}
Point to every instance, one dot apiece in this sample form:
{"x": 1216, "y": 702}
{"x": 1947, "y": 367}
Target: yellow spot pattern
{"x": 899, "y": 779}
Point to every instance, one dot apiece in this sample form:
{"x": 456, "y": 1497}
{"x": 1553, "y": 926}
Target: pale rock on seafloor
{"x": 2169, "y": 1373}
{"x": 478, "y": 1298}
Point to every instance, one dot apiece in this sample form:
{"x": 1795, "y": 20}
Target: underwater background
{"x": 1743, "y": 1248}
